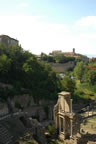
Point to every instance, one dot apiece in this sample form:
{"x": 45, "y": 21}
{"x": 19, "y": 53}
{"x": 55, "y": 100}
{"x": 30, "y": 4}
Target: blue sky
{"x": 61, "y": 11}
{"x": 46, "y": 25}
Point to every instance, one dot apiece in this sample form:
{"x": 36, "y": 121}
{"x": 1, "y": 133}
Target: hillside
{"x": 21, "y": 69}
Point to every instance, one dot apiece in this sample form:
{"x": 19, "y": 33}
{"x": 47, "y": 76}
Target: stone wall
{"x": 43, "y": 111}
{"x": 62, "y": 67}
{"x": 3, "y": 85}
{"x": 3, "y": 109}
{"x": 24, "y": 100}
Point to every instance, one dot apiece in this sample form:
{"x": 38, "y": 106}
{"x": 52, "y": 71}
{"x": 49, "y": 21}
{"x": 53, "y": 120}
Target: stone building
{"x": 56, "y": 52}
{"x": 73, "y": 54}
{"x": 6, "y": 40}
{"x": 65, "y": 119}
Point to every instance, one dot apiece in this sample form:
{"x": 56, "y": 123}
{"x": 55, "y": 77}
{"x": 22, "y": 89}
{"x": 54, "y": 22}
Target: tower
{"x": 74, "y": 50}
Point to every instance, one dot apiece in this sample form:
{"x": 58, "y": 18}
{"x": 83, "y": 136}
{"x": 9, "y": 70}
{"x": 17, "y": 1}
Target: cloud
{"x": 38, "y": 37}
{"x": 84, "y": 35}
{"x": 33, "y": 34}
{"x": 87, "y": 21}
{"x": 23, "y": 5}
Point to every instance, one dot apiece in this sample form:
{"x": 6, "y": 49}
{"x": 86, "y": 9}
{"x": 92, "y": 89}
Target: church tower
{"x": 74, "y": 51}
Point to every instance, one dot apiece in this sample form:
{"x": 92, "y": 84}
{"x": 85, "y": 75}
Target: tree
{"x": 3, "y": 49}
{"x": 67, "y": 84}
{"x": 47, "y": 58}
{"x": 21, "y": 69}
{"x": 91, "y": 77}
{"x": 60, "y": 58}
{"x": 40, "y": 78}
{"x": 5, "y": 64}
{"x": 30, "y": 65}
{"x": 79, "y": 70}
{"x": 82, "y": 58}
{"x": 43, "y": 57}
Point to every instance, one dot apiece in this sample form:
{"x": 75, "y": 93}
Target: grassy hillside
{"x": 87, "y": 90}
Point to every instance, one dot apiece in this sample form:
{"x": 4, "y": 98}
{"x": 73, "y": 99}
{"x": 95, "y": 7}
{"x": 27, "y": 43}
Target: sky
{"x": 47, "y": 25}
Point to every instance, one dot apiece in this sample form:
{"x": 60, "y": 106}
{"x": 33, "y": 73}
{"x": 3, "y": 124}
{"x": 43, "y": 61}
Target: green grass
{"x": 88, "y": 89}
{"x": 84, "y": 92}
{"x": 77, "y": 83}
{"x": 90, "y": 125}
{"x": 94, "y": 118}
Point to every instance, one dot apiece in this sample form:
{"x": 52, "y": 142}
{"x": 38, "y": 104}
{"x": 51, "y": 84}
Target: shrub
{"x": 51, "y": 129}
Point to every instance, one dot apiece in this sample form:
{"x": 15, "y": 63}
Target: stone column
{"x": 56, "y": 122}
{"x": 64, "y": 125}
{"x": 70, "y": 105}
{"x": 59, "y": 125}
{"x": 64, "y": 104}
{"x": 71, "y": 128}
{"x": 59, "y": 104}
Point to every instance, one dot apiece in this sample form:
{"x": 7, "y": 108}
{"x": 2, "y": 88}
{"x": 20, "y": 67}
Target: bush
{"x": 79, "y": 92}
{"x": 80, "y": 96}
{"x": 68, "y": 84}
{"x": 51, "y": 130}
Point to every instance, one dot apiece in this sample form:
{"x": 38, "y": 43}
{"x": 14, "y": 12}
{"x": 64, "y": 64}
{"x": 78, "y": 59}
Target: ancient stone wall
{"x": 3, "y": 109}
{"x": 24, "y": 100}
{"x": 57, "y": 67}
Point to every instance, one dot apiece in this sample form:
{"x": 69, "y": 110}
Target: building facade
{"x": 65, "y": 53}
{"x": 6, "y": 40}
